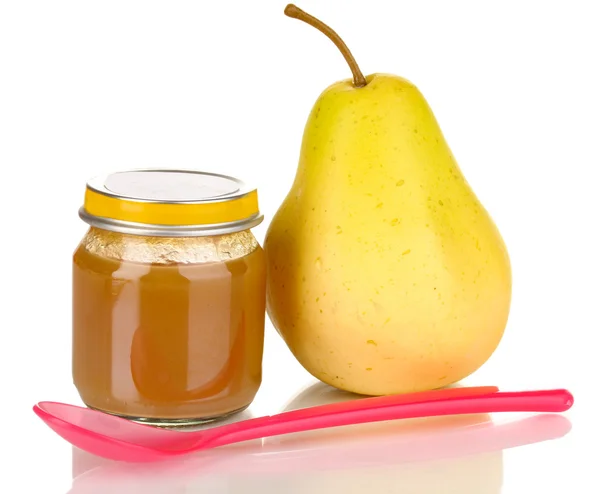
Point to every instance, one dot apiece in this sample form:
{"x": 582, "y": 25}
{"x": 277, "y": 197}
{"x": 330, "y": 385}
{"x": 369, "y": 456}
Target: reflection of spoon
{"x": 469, "y": 459}
{"x": 117, "y": 438}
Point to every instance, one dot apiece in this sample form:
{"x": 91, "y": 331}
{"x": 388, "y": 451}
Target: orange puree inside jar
{"x": 168, "y": 329}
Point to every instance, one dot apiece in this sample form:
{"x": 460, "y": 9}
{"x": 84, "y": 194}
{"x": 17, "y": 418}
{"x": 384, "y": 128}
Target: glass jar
{"x": 168, "y": 297}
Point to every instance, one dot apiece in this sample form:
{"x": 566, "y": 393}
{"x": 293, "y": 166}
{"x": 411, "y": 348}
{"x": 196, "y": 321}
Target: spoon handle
{"x": 556, "y": 400}
{"x": 352, "y": 405}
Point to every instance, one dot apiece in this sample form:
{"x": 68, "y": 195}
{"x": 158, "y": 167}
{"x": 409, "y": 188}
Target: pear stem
{"x": 294, "y": 12}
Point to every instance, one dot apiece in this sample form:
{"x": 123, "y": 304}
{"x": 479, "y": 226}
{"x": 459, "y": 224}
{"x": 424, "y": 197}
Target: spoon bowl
{"x": 105, "y": 435}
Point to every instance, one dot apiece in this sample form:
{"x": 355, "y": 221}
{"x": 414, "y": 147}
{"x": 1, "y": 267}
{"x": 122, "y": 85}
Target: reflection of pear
{"x": 317, "y": 394}
{"x": 480, "y": 474}
{"x": 385, "y": 272}
{"x": 320, "y": 393}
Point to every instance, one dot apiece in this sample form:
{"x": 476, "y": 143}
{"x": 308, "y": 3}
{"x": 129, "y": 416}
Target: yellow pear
{"x": 385, "y": 272}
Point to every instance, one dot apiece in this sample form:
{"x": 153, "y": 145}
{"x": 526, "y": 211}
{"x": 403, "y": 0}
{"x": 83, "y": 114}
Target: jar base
{"x": 173, "y": 423}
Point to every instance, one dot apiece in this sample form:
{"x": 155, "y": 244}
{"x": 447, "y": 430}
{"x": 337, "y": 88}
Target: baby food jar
{"x": 168, "y": 297}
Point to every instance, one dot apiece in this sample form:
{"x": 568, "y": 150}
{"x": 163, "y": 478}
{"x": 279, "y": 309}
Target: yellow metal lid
{"x": 161, "y": 202}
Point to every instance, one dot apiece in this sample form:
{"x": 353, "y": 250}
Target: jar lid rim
{"x": 159, "y": 199}
{"x": 102, "y": 185}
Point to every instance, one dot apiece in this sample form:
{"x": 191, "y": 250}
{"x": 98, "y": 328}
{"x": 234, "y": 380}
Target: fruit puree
{"x": 168, "y": 329}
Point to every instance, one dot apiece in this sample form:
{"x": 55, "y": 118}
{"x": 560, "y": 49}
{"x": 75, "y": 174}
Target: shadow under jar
{"x": 168, "y": 297}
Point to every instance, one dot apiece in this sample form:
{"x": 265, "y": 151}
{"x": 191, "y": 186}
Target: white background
{"x": 87, "y": 87}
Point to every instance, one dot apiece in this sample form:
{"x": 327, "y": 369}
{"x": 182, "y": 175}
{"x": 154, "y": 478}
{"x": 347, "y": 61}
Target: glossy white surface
{"x": 508, "y": 453}
{"x": 91, "y": 87}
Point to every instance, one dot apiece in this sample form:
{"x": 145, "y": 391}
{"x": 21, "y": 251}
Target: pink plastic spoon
{"x": 120, "y": 439}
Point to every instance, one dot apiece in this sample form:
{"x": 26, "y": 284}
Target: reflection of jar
{"x": 168, "y": 297}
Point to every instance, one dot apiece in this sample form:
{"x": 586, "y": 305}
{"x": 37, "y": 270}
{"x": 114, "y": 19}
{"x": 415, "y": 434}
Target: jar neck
{"x": 168, "y": 250}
